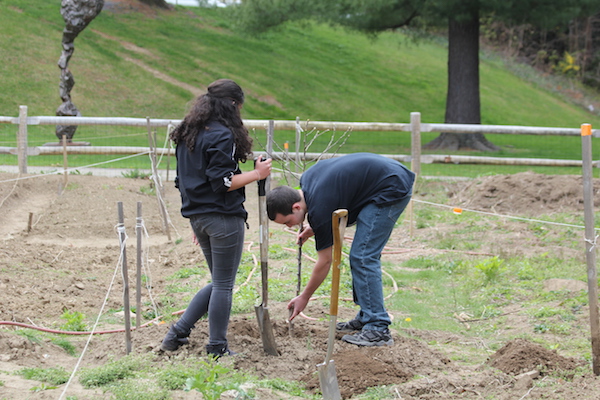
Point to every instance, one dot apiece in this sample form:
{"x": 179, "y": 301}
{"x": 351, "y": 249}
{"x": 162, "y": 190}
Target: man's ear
{"x": 296, "y": 206}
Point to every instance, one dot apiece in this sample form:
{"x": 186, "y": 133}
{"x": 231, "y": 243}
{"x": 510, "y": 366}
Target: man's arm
{"x": 317, "y": 277}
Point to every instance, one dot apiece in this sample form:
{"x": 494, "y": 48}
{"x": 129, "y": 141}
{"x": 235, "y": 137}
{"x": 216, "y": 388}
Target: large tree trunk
{"x": 462, "y": 102}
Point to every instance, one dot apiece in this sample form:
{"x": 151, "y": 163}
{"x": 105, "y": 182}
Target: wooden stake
{"x": 126, "y": 308}
{"x": 138, "y": 281}
{"x": 30, "y": 222}
{"x": 590, "y": 243}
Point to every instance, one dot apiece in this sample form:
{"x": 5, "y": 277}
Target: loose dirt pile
{"x": 59, "y": 250}
{"x": 525, "y": 194}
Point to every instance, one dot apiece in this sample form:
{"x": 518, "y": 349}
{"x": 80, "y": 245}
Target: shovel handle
{"x": 339, "y": 221}
{"x": 261, "y": 187}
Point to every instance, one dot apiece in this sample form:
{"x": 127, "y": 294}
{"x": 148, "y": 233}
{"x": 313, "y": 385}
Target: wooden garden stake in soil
{"x": 126, "y": 308}
{"x": 327, "y": 373}
{"x": 299, "y": 282}
{"x": 590, "y": 243}
{"x": 138, "y": 275}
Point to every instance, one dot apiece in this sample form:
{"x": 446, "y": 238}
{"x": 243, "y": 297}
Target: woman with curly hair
{"x": 210, "y": 142}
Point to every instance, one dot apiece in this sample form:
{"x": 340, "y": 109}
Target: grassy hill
{"x": 142, "y": 63}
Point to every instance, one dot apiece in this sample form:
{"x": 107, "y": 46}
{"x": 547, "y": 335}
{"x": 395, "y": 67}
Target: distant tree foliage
{"x": 463, "y": 20}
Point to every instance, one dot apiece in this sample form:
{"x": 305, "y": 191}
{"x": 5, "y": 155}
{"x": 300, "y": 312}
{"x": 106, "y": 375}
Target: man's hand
{"x": 304, "y": 235}
{"x": 296, "y": 306}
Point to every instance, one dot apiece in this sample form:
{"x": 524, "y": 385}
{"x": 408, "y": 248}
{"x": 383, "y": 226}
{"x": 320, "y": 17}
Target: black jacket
{"x": 204, "y": 175}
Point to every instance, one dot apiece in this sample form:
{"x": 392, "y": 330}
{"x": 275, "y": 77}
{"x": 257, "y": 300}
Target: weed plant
{"x": 52, "y": 376}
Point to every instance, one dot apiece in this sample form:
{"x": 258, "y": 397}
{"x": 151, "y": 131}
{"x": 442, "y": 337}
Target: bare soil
{"x": 59, "y": 250}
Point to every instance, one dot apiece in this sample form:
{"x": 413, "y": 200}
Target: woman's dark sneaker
{"x": 175, "y": 339}
{"x": 350, "y": 326}
{"x": 369, "y": 337}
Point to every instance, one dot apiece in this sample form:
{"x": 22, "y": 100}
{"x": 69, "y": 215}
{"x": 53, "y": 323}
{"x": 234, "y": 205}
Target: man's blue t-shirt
{"x": 351, "y": 182}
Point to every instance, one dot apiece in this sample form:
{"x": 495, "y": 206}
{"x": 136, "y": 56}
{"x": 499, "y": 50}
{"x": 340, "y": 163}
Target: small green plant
{"x": 137, "y": 388}
{"x": 42, "y": 387}
{"x": 183, "y": 273}
{"x": 213, "y": 379}
{"x": 136, "y": 174}
{"x": 293, "y": 388}
{"x": 149, "y": 190}
{"x": 75, "y": 321}
{"x": 376, "y": 393}
{"x": 545, "y": 312}
{"x": 66, "y": 345}
{"x": 109, "y": 373}
{"x": 491, "y": 269}
{"x": 53, "y": 376}
{"x": 32, "y": 336}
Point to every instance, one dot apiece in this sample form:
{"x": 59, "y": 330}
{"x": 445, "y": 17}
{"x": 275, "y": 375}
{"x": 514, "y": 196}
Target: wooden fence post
{"x": 299, "y": 147}
{"x": 590, "y": 243}
{"x": 270, "y": 139}
{"x": 157, "y": 183}
{"x": 415, "y": 132}
{"x": 415, "y": 159}
{"x": 22, "y": 140}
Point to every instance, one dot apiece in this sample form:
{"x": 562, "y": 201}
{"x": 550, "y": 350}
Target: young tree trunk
{"x": 462, "y": 101}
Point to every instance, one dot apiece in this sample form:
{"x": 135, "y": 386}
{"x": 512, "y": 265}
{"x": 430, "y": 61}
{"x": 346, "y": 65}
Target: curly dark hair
{"x": 221, "y": 103}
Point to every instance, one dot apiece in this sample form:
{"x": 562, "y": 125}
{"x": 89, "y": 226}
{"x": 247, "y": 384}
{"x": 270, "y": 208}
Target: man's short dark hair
{"x": 280, "y": 201}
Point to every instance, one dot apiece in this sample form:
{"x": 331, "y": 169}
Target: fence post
{"x": 22, "y": 140}
{"x": 298, "y": 148}
{"x": 415, "y": 152}
{"x": 415, "y": 159}
{"x": 590, "y": 243}
{"x": 270, "y": 140}
{"x": 156, "y": 179}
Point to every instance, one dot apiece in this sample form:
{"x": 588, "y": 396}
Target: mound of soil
{"x": 519, "y": 356}
{"x": 525, "y": 194}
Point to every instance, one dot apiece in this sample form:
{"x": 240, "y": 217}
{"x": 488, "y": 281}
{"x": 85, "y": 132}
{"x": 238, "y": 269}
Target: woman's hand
{"x": 262, "y": 168}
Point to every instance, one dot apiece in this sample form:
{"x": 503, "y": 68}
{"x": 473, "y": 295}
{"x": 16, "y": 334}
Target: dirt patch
{"x": 59, "y": 250}
{"x": 526, "y": 194}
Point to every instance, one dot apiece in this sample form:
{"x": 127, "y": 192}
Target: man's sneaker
{"x": 369, "y": 337}
{"x": 350, "y": 326}
{"x": 219, "y": 350}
